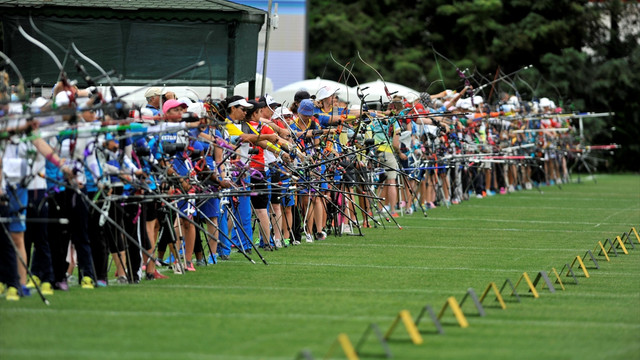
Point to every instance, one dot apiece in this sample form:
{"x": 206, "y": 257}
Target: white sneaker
{"x": 346, "y": 229}
{"x": 528, "y": 186}
{"x": 308, "y": 237}
{"x": 408, "y": 211}
{"x": 295, "y": 242}
{"x": 278, "y": 243}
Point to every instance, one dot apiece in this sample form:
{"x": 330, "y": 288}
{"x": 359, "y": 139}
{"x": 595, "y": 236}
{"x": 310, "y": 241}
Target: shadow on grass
{"x": 369, "y": 355}
{"x": 399, "y": 341}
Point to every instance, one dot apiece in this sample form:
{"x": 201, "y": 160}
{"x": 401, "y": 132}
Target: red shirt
{"x": 258, "y": 159}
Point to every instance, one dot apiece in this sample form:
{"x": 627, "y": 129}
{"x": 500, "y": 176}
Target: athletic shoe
{"x": 62, "y": 285}
{"x": 431, "y": 205}
{"x": 278, "y": 243}
{"x": 395, "y": 215}
{"x": 189, "y": 266}
{"x": 479, "y": 196}
{"x": 213, "y": 259}
{"x": 46, "y": 288}
{"x": 455, "y": 201}
{"x": 321, "y": 236}
{"x": 491, "y": 193}
{"x": 12, "y": 294}
{"x": 33, "y": 281}
{"x": 201, "y": 262}
{"x": 71, "y": 279}
{"x": 157, "y": 275}
{"x": 346, "y": 229}
{"x": 308, "y": 238}
{"x": 87, "y": 283}
{"x": 512, "y": 188}
{"x": 170, "y": 259}
{"x": 295, "y": 242}
{"x": 408, "y": 211}
{"x": 286, "y": 242}
{"x": 503, "y": 191}
{"x": 122, "y": 280}
{"x": 99, "y": 283}
{"x": 25, "y": 291}
{"x": 223, "y": 257}
{"x": 528, "y": 186}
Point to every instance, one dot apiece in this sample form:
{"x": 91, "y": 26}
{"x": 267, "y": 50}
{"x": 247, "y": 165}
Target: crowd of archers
{"x": 123, "y": 194}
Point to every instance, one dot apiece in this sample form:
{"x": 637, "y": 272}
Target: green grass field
{"x": 311, "y": 293}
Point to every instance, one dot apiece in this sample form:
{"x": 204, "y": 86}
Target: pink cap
{"x": 170, "y": 104}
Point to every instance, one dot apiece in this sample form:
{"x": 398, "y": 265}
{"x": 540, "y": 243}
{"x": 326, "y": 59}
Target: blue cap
{"x": 109, "y": 137}
{"x": 306, "y": 107}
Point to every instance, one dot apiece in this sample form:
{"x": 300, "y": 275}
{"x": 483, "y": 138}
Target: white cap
{"x": 185, "y": 100}
{"x": 324, "y": 92}
{"x": 464, "y": 104}
{"x": 152, "y": 91}
{"x": 37, "y": 104}
{"x": 196, "y": 108}
{"x": 271, "y": 103}
{"x": 411, "y": 97}
{"x": 478, "y": 100}
{"x": 241, "y": 102}
{"x": 62, "y": 98}
{"x": 281, "y": 111}
{"x": 545, "y": 102}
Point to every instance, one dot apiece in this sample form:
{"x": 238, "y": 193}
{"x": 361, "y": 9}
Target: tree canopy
{"x": 585, "y": 55}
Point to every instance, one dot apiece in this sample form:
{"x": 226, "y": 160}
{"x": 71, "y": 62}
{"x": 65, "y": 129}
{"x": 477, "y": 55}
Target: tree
{"x": 580, "y": 61}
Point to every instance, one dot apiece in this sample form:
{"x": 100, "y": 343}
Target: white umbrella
{"x": 285, "y": 94}
{"x": 376, "y": 90}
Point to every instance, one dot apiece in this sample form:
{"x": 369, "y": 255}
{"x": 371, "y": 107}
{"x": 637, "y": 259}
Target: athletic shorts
{"x": 210, "y": 208}
{"x": 390, "y": 164}
{"x": 18, "y": 200}
{"x": 260, "y": 199}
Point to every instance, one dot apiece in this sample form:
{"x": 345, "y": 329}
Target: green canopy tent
{"x": 142, "y": 40}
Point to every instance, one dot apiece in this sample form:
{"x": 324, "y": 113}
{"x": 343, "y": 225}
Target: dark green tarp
{"x": 139, "y": 49}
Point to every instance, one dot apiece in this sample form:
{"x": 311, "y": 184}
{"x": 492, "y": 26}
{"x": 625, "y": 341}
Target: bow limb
{"x": 92, "y": 63}
{"x": 42, "y": 46}
{"x": 386, "y": 90}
